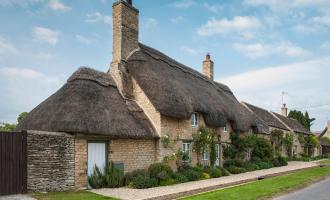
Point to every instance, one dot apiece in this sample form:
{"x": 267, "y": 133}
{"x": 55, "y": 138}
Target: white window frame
{"x": 186, "y": 148}
{"x": 225, "y": 130}
{"x": 206, "y": 155}
{"x": 194, "y": 119}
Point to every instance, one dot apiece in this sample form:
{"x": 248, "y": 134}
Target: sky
{"x": 261, "y": 48}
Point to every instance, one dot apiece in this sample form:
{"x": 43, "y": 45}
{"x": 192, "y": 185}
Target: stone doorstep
{"x": 224, "y": 185}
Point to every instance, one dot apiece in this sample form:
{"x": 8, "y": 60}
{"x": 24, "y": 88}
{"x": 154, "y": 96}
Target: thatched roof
{"x": 90, "y": 103}
{"x": 266, "y": 117}
{"x": 293, "y": 124}
{"x": 177, "y": 91}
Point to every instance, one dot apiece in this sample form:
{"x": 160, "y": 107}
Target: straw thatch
{"x": 90, "y": 103}
{"x": 266, "y": 117}
{"x": 177, "y": 91}
{"x": 293, "y": 124}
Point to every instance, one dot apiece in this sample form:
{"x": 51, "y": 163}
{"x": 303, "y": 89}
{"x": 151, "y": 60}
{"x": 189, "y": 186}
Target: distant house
{"x": 122, "y": 115}
{"x": 325, "y": 146}
{"x": 281, "y": 122}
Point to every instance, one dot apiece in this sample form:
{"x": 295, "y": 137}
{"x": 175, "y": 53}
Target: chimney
{"x": 208, "y": 66}
{"x": 284, "y": 110}
{"x": 328, "y": 125}
{"x": 125, "y": 29}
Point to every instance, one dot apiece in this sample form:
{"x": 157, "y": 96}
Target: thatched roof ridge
{"x": 261, "y": 124}
{"x": 177, "y": 90}
{"x": 90, "y": 103}
{"x": 266, "y": 117}
{"x": 293, "y": 124}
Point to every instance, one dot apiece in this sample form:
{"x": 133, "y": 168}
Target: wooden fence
{"x": 13, "y": 163}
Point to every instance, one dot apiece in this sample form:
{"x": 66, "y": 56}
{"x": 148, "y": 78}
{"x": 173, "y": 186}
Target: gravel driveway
{"x": 16, "y": 197}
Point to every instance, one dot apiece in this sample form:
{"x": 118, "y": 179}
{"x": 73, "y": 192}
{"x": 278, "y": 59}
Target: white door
{"x": 217, "y": 151}
{"x": 96, "y": 156}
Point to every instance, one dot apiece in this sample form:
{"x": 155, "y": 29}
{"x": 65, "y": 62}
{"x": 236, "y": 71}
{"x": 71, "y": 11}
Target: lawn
{"x": 267, "y": 187}
{"x": 326, "y": 162}
{"x": 72, "y": 195}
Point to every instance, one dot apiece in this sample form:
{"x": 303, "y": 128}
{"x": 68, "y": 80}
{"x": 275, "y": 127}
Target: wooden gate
{"x": 13, "y": 163}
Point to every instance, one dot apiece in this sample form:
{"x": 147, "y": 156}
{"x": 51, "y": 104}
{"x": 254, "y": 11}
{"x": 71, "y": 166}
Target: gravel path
{"x": 179, "y": 190}
{"x": 16, "y": 197}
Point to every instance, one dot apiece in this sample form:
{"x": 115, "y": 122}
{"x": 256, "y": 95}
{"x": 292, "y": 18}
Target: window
{"x": 206, "y": 155}
{"x": 225, "y": 129}
{"x": 194, "y": 119}
{"x": 186, "y": 149}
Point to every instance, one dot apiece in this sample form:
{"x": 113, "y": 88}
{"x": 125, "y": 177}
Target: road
{"x": 317, "y": 191}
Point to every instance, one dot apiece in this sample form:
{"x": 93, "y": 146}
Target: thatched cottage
{"x": 281, "y": 122}
{"x": 122, "y": 115}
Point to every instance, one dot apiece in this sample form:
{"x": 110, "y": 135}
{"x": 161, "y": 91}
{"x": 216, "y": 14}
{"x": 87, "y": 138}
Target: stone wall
{"x": 80, "y": 163}
{"x": 50, "y": 161}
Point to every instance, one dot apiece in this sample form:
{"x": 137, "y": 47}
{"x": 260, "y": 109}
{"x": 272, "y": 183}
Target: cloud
{"x": 305, "y": 83}
{"x": 325, "y": 46}
{"x": 177, "y": 19}
{"x": 23, "y": 89}
{"x": 322, "y": 20}
{"x": 46, "y": 35}
{"x": 191, "y": 50}
{"x": 86, "y": 40}
{"x": 150, "y": 23}
{"x": 57, "y": 5}
{"x": 97, "y": 17}
{"x": 284, "y": 4}
{"x": 256, "y": 50}
{"x": 239, "y": 24}
{"x": 22, "y": 3}
{"x": 6, "y": 47}
{"x": 213, "y": 7}
{"x": 184, "y": 4}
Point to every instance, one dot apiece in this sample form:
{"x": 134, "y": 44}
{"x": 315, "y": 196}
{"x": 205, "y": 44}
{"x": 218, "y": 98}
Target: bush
{"x": 280, "y": 161}
{"x": 180, "y": 178}
{"x": 264, "y": 165}
{"x": 234, "y": 162}
{"x": 160, "y": 171}
{"x": 236, "y": 170}
{"x": 166, "y": 182}
{"x": 251, "y": 166}
{"x": 96, "y": 179}
{"x": 184, "y": 166}
{"x": 141, "y": 181}
{"x": 224, "y": 172}
{"x": 214, "y": 172}
{"x": 205, "y": 175}
{"x": 198, "y": 168}
{"x": 130, "y": 175}
{"x": 113, "y": 177}
{"x": 192, "y": 175}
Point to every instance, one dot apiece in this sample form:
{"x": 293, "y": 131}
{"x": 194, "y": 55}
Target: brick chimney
{"x": 208, "y": 66}
{"x": 284, "y": 110}
{"x": 125, "y": 40}
{"x": 125, "y": 29}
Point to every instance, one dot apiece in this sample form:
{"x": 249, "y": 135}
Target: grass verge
{"x": 266, "y": 188}
{"x": 326, "y": 162}
{"x": 70, "y": 195}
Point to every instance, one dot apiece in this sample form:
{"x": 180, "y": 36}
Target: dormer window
{"x": 194, "y": 119}
{"x": 225, "y": 129}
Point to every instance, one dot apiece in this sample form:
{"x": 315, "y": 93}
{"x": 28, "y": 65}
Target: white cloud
{"x": 84, "y": 40}
{"x": 184, "y": 4}
{"x": 6, "y": 47}
{"x": 23, "y": 89}
{"x": 177, "y": 19}
{"x": 322, "y": 20}
{"x": 150, "y": 23}
{"x": 305, "y": 83}
{"x": 326, "y": 46}
{"x": 46, "y": 35}
{"x": 285, "y": 4}
{"x": 98, "y": 17}
{"x": 22, "y": 3}
{"x": 57, "y": 5}
{"x": 239, "y": 24}
{"x": 213, "y": 7}
{"x": 191, "y": 50}
{"x": 256, "y": 50}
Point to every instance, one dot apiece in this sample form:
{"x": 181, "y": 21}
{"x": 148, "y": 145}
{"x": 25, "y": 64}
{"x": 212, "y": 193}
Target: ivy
{"x": 288, "y": 141}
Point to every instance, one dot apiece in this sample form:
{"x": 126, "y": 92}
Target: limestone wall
{"x": 50, "y": 161}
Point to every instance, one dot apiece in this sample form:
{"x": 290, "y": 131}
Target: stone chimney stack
{"x": 329, "y": 125}
{"x": 208, "y": 67}
{"x": 284, "y": 110}
{"x": 125, "y": 29}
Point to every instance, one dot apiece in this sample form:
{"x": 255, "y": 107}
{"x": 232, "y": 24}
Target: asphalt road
{"x": 317, "y": 191}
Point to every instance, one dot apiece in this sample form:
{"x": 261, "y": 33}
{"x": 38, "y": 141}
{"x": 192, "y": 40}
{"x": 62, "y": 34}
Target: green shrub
{"x": 96, "y": 179}
{"x": 184, "y": 166}
{"x": 205, "y": 175}
{"x": 192, "y": 175}
{"x": 262, "y": 149}
{"x": 264, "y": 165}
{"x": 234, "y": 162}
{"x": 141, "y": 181}
{"x": 112, "y": 177}
{"x": 224, "y": 172}
{"x": 198, "y": 168}
{"x": 280, "y": 161}
{"x": 166, "y": 182}
{"x": 236, "y": 170}
{"x": 249, "y": 166}
{"x": 160, "y": 171}
{"x": 179, "y": 177}
{"x": 130, "y": 175}
{"x": 215, "y": 172}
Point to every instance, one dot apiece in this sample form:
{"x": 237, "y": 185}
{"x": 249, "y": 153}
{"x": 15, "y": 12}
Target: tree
{"x": 304, "y": 119}
{"x": 12, "y": 127}
{"x": 21, "y": 117}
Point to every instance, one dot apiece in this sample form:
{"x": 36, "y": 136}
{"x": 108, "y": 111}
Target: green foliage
{"x": 110, "y": 178}
{"x": 262, "y": 149}
{"x": 166, "y": 182}
{"x": 160, "y": 171}
{"x": 236, "y": 170}
{"x": 229, "y": 151}
{"x": 7, "y": 127}
{"x": 224, "y": 172}
{"x": 264, "y": 165}
{"x": 276, "y": 138}
{"x": 234, "y": 162}
{"x": 304, "y": 119}
{"x": 21, "y": 117}
{"x": 129, "y": 176}
{"x": 213, "y": 153}
{"x": 165, "y": 140}
{"x": 143, "y": 181}
{"x": 325, "y": 140}
{"x": 96, "y": 179}
{"x": 179, "y": 177}
{"x": 214, "y": 172}
{"x": 288, "y": 142}
{"x": 192, "y": 175}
